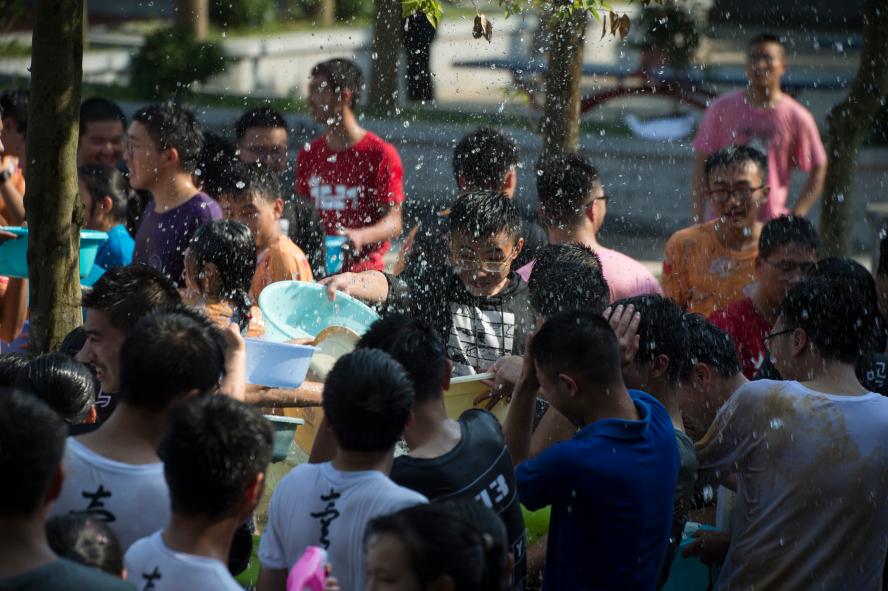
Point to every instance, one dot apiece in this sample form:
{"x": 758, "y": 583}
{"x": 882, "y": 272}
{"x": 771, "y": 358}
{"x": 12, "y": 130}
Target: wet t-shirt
{"x": 747, "y": 328}
{"x": 811, "y": 469}
{"x": 153, "y": 565}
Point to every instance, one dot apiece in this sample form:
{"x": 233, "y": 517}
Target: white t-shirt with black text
{"x": 152, "y": 565}
{"x": 317, "y": 505}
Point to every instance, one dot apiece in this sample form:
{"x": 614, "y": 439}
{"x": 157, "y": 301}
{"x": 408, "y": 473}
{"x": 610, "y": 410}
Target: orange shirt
{"x": 701, "y": 274}
{"x": 281, "y": 261}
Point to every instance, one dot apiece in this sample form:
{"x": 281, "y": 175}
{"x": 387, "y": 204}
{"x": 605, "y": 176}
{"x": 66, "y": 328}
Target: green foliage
{"x": 671, "y": 30}
{"x": 169, "y": 63}
{"x": 242, "y": 13}
{"x": 347, "y": 10}
{"x": 431, "y": 8}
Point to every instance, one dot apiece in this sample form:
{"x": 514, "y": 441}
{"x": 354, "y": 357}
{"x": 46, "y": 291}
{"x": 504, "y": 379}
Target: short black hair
{"x": 14, "y": 105}
{"x": 10, "y": 365}
{"x": 128, "y": 293}
{"x": 105, "y": 181}
{"x": 736, "y": 155}
{"x": 67, "y": 386}
{"x": 170, "y": 352}
{"x": 567, "y": 277}
{"x": 416, "y": 346}
{"x": 256, "y": 179}
{"x": 172, "y": 126}
{"x": 484, "y": 214}
{"x": 259, "y": 117}
{"x": 213, "y": 448}
{"x": 32, "y": 441}
{"x": 661, "y": 330}
{"x": 787, "y": 229}
{"x": 84, "y": 539}
{"x": 709, "y": 344}
{"x": 835, "y": 323}
{"x": 218, "y": 165}
{"x": 581, "y": 342}
{"x": 99, "y": 109}
{"x": 342, "y": 74}
{"x": 483, "y": 158}
{"x": 766, "y": 38}
{"x": 368, "y": 398}
{"x": 564, "y": 184}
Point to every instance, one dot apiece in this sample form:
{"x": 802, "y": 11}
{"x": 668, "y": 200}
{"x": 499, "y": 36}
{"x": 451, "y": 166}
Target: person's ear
{"x": 448, "y": 371}
{"x": 55, "y": 485}
{"x": 253, "y": 492}
{"x": 171, "y": 156}
{"x": 510, "y": 182}
{"x": 659, "y": 366}
{"x": 702, "y": 375}
{"x": 569, "y": 384}
{"x": 91, "y": 416}
{"x": 799, "y": 341}
{"x": 106, "y": 204}
{"x": 519, "y": 246}
{"x": 278, "y": 208}
{"x": 345, "y": 97}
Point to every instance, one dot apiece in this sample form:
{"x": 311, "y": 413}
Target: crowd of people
{"x": 745, "y": 389}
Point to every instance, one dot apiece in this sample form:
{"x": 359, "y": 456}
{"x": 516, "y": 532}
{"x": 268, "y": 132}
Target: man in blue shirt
{"x": 611, "y": 487}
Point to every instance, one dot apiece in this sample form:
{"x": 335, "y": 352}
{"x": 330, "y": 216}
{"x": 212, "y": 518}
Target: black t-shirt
{"x": 64, "y": 575}
{"x": 479, "y": 468}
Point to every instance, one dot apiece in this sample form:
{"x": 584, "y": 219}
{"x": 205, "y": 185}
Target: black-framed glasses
{"x": 743, "y": 193}
{"x": 592, "y": 201}
{"x": 771, "y": 335}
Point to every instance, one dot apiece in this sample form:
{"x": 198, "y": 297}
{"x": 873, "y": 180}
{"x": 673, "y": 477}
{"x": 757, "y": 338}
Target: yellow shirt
{"x": 701, "y": 274}
{"x": 281, "y": 261}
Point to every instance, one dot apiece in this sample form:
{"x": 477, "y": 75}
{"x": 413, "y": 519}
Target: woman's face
{"x": 387, "y": 566}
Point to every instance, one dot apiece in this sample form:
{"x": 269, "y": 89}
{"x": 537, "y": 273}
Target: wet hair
{"x": 368, "y": 398}
{"x": 99, "y": 109}
{"x": 256, "y": 179}
{"x": 440, "y": 542}
{"x": 580, "y": 342}
{"x": 567, "y": 277}
{"x": 32, "y": 441}
{"x": 218, "y": 165}
{"x": 10, "y": 365}
{"x": 86, "y": 540}
{"x": 854, "y": 281}
{"x": 259, "y": 117}
{"x": 67, "y": 386}
{"x": 14, "y": 105}
{"x": 104, "y": 181}
{"x": 172, "y": 126}
{"x": 484, "y": 214}
{"x": 785, "y": 230}
{"x": 661, "y": 331}
{"x": 736, "y": 155}
{"x": 230, "y": 246}
{"x": 342, "y": 74}
{"x": 564, "y": 184}
{"x": 834, "y": 322}
{"x": 483, "y": 158}
{"x": 73, "y": 342}
{"x": 416, "y": 346}
{"x": 766, "y": 38}
{"x": 710, "y": 345}
{"x": 213, "y": 449}
{"x": 127, "y": 293}
{"x": 170, "y": 352}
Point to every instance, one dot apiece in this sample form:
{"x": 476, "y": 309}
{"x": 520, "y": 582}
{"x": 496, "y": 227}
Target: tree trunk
{"x": 849, "y": 121}
{"x": 85, "y": 26}
{"x": 560, "y": 126}
{"x": 53, "y": 221}
{"x": 327, "y": 13}
{"x": 195, "y": 16}
{"x": 386, "y": 57}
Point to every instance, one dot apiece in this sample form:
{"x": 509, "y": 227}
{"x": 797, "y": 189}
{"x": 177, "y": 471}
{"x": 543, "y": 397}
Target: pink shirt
{"x": 625, "y": 276}
{"x": 787, "y": 133}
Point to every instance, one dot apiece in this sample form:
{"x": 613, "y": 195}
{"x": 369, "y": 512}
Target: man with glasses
{"x": 764, "y": 117}
{"x": 708, "y": 265}
{"x": 788, "y": 249}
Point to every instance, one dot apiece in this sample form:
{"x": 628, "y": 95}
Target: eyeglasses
{"x": 786, "y": 268}
{"x": 769, "y": 336}
{"x": 592, "y": 201}
{"x": 744, "y": 193}
{"x": 268, "y": 151}
{"x": 486, "y": 266}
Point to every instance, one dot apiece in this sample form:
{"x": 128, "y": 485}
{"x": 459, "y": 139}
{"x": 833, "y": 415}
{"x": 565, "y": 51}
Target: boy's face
{"x": 256, "y": 213}
{"x": 102, "y": 349}
{"x": 324, "y": 103}
{"x": 483, "y": 264}
{"x": 737, "y": 192}
{"x": 142, "y": 157}
{"x": 265, "y": 145}
{"x": 101, "y": 143}
{"x": 782, "y": 269}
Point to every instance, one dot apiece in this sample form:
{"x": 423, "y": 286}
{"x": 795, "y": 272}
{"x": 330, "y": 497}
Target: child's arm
{"x": 370, "y": 286}
{"x": 235, "y": 381}
{"x": 308, "y": 394}
{"x": 390, "y": 226}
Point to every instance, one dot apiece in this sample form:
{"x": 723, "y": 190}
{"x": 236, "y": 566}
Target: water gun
{"x": 310, "y": 571}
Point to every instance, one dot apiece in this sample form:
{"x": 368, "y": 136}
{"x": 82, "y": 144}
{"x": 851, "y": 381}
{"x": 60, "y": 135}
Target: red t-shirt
{"x": 742, "y": 321}
{"x": 353, "y": 188}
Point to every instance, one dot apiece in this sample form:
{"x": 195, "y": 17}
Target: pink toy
{"x": 309, "y": 572}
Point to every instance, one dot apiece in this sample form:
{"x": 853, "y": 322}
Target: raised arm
{"x": 519, "y": 422}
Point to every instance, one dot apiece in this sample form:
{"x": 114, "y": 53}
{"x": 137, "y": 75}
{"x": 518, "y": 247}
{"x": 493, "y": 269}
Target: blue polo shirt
{"x": 611, "y": 488}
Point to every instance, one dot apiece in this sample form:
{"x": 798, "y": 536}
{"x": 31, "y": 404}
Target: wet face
{"x": 11, "y": 139}
{"x": 102, "y": 143}
{"x": 737, "y": 193}
{"x": 102, "y": 349}
{"x": 765, "y": 64}
{"x": 143, "y": 158}
{"x": 325, "y": 105}
{"x": 387, "y": 567}
{"x": 483, "y": 264}
{"x": 782, "y": 269}
{"x": 265, "y": 145}
{"x": 260, "y": 216}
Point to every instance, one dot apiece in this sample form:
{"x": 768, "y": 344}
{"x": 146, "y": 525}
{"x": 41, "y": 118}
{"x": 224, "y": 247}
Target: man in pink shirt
{"x": 572, "y": 207}
{"x": 764, "y": 117}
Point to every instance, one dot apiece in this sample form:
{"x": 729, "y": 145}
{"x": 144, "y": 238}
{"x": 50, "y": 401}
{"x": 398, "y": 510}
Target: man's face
{"x": 101, "y": 143}
{"x": 737, "y": 192}
{"x": 782, "y": 269}
{"x": 483, "y": 264}
{"x": 765, "y": 64}
{"x": 142, "y": 157}
{"x": 102, "y": 349}
{"x": 12, "y": 140}
{"x": 324, "y": 104}
{"x": 265, "y": 145}
{"x": 256, "y": 213}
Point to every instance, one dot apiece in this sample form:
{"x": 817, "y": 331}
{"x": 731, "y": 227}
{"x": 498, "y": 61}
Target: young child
{"x": 482, "y": 308}
{"x": 258, "y": 205}
{"x": 215, "y": 452}
{"x": 218, "y": 265}
{"x": 87, "y": 540}
{"x": 105, "y": 193}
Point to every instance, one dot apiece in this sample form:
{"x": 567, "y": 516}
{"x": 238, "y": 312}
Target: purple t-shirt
{"x": 163, "y": 237}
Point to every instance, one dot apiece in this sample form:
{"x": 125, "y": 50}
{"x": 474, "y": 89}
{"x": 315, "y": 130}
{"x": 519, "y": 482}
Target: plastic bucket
{"x": 333, "y": 253}
{"x": 284, "y": 432}
{"x": 14, "y": 253}
{"x": 277, "y": 365}
{"x": 463, "y": 391}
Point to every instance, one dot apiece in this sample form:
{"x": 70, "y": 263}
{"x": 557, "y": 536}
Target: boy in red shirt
{"x": 354, "y": 178}
{"x": 788, "y": 248}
